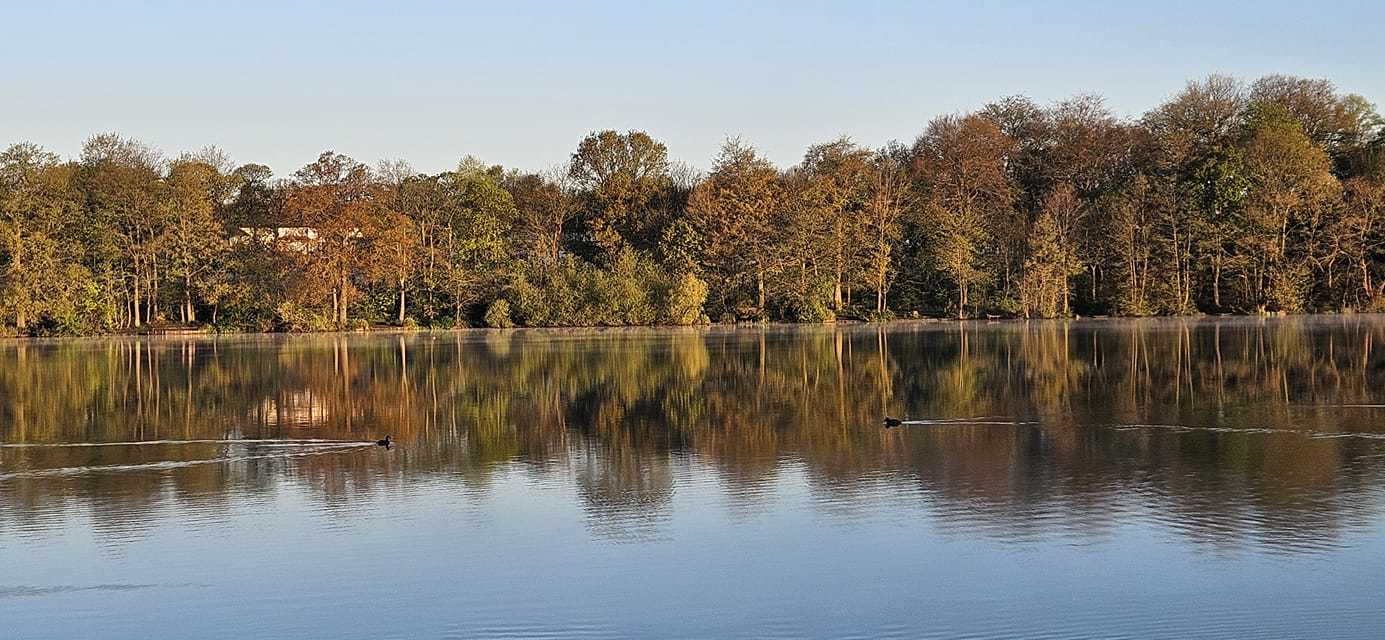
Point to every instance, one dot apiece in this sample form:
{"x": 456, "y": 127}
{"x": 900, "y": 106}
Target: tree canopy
{"x": 1230, "y": 197}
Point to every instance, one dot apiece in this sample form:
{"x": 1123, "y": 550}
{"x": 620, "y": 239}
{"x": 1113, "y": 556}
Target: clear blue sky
{"x": 519, "y": 83}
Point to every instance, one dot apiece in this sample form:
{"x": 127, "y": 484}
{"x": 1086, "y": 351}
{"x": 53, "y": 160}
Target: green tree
{"x": 1361, "y": 231}
{"x": 1045, "y": 284}
{"x": 37, "y": 206}
{"x": 195, "y": 239}
{"x": 625, "y": 184}
{"x": 1290, "y": 180}
{"x": 1199, "y": 125}
{"x": 473, "y": 247}
{"x": 835, "y": 193}
{"x": 119, "y": 178}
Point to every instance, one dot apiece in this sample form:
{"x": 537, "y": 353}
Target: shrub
{"x": 295, "y": 318}
{"x": 633, "y": 290}
{"x": 685, "y": 300}
{"x": 498, "y": 315}
{"x": 812, "y": 310}
{"x": 811, "y": 304}
{"x": 1288, "y": 289}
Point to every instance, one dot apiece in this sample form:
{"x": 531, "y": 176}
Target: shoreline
{"x": 776, "y": 325}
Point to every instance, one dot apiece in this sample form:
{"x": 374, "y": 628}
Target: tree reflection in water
{"x": 625, "y": 416}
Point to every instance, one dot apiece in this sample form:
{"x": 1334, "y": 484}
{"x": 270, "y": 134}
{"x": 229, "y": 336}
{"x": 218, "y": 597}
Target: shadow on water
{"x": 1222, "y": 431}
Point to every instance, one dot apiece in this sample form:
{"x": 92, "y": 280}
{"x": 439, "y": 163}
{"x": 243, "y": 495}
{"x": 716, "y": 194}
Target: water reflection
{"x": 1222, "y": 433}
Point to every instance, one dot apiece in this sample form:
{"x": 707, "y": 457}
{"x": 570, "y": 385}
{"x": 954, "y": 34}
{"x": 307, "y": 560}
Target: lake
{"x": 1189, "y": 478}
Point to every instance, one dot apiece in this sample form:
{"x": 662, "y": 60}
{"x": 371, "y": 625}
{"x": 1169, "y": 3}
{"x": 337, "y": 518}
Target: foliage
{"x": 1228, "y": 197}
{"x": 685, "y": 300}
{"x": 295, "y": 318}
{"x": 634, "y": 290}
{"x": 498, "y": 315}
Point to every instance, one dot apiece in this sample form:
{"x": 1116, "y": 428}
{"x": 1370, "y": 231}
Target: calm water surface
{"x": 1143, "y": 479}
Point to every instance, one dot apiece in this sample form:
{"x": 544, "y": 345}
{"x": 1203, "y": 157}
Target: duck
{"x": 386, "y": 442}
{"x": 892, "y": 422}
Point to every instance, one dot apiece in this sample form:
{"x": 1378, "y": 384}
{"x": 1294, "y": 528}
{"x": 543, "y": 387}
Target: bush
{"x": 685, "y": 300}
{"x": 633, "y": 290}
{"x": 811, "y": 304}
{"x": 1288, "y": 290}
{"x": 295, "y": 318}
{"x": 872, "y": 315}
{"x": 498, "y": 315}
{"x": 813, "y": 310}
{"x": 623, "y": 295}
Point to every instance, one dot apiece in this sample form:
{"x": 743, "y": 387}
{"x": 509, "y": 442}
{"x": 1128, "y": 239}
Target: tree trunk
{"x": 1366, "y": 280}
{"x": 1216, "y": 283}
{"x": 341, "y": 308}
{"x": 760, "y": 290}
{"x": 401, "y": 302}
{"x": 134, "y": 304}
{"x": 837, "y": 290}
{"x": 189, "y": 313}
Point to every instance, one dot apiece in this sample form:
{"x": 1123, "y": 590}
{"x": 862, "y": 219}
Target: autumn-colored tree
{"x": 1228, "y": 197}
{"x": 546, "y": 204}
{"x": 969, "y": 197}
{"x": 731, "y": 211}
{"x": 337, "y": 202}
{"x": 891, "y": 198}
{"x": 401, "y": 238}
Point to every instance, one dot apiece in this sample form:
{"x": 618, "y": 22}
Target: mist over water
{"x": 1153, "y": 478}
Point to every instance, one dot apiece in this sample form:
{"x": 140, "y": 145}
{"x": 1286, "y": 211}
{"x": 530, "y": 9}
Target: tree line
{"x": 1266, "y": 197}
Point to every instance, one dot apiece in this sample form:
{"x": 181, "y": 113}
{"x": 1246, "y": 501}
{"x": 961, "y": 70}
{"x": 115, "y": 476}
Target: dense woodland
{"x": 1267, "y": 197}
